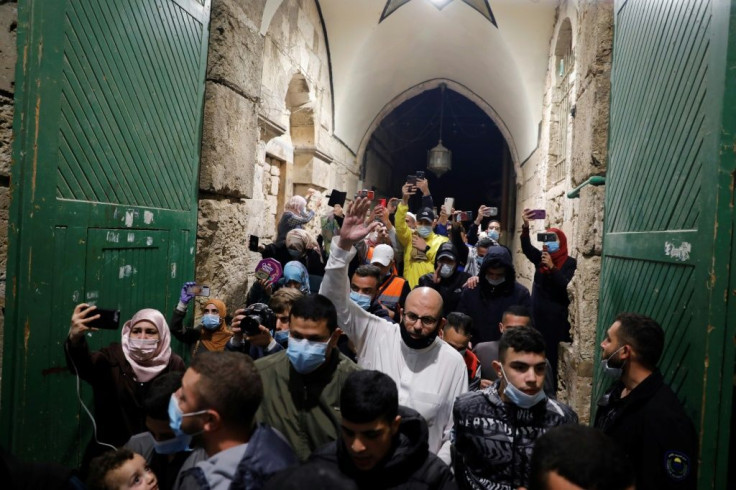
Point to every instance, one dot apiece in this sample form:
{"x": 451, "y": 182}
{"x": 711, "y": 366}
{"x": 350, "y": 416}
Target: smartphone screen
{"x": 198, "y": 290}
{"x": 109, "y": 319}
{"x": 253, "y": 243}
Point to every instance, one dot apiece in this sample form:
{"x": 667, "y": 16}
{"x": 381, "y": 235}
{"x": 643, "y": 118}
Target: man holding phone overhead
{"x": 420, "y": 245}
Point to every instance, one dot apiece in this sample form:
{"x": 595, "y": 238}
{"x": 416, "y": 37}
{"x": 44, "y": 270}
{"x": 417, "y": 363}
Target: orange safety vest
{"x": 390, "y": 291}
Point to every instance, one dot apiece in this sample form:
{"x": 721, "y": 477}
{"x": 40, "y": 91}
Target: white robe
{"x": 428, "y": 379}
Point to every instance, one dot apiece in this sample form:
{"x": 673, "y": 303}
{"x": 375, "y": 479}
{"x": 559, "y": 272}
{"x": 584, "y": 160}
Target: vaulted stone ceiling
{"x": 376, "y": 63}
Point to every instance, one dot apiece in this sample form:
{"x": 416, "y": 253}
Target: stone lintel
{"x": 314, "y": 152}
{"x": 269, "y": 129}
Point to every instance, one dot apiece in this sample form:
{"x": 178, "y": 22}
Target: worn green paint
{"x": 104, "y": 191}
{"x": 667, "y": 247}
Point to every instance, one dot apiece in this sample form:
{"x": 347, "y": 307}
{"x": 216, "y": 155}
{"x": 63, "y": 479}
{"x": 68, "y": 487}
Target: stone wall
{"x": 581, "y": 219}
{"x": 267, "y": 134}
{"x": 8, "y": 56}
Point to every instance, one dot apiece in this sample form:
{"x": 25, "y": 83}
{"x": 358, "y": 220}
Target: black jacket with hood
{"x": 486, "y": 303}
{"x": 450, "y": 288}
{"x": 410, "y": 466}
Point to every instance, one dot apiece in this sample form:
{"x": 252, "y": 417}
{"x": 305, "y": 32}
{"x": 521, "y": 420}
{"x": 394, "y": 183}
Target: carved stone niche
{"x": 312, "y": 167}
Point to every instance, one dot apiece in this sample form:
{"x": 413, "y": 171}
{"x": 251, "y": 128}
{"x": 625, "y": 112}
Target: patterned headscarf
{"x": 146, "y": 370}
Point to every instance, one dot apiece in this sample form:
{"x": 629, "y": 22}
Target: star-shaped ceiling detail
{"x": 482, "y": 6}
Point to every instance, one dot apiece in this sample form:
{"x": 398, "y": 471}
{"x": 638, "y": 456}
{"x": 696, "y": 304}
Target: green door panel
{"x": 104, "y": 192}
{"x": 669, "y": 202}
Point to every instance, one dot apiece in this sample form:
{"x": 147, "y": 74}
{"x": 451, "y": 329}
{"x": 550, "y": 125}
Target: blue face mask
{"x": 282, "y": 337}
{"x": 294, "y": 253}
{"x": 493, "y": 234}
{"x": 479, "y": 261}
{"x": 518, "y": 397}
{"x": 178, "y": 444}
{"x": 210, "y": 321}
{"x": 175, "y": 415}
{"x": 362, "y": 300}
{"x": 424, "y": 230}
{"x": 552, "y": 247}
{"x": 305, "y": 355}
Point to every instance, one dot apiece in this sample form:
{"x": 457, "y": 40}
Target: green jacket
{"x": 304, "y": 408}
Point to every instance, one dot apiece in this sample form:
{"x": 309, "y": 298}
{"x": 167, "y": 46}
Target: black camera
{"x": 255, "y": 315}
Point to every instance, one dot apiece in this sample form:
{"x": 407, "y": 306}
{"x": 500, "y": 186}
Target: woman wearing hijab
{"x": 295, "y": 215}
{"x": 296, "y": 276}
{"x": 301, "y": 246}
{"x": 121, "y": 372}
{"x": 554, "y": 270}
{"x": 212, "y": 333}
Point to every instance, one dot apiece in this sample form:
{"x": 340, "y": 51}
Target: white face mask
{"x": 518, "y": 397}
{"x": 142, "y": 349}
{"x": 611, "y": 371}
{"x": 446, "y": 270}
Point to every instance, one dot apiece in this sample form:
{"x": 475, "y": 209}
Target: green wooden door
{"x": 669, "y": 202}
{"x": 104, "y": 188}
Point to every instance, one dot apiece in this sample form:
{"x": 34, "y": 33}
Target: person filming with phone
{"x": 212, "y": 333}
{"x": 554, "y": 270}
{"x": 120, "y": 373}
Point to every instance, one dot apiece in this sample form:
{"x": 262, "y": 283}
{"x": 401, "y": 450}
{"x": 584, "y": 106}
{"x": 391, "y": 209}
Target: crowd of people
{"x": 397, "y": 350}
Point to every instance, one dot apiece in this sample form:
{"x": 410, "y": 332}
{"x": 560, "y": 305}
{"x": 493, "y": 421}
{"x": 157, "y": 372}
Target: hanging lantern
{"x": 439, "y": 158}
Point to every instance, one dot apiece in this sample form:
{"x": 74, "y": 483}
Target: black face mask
{"x": 413, "y": 343}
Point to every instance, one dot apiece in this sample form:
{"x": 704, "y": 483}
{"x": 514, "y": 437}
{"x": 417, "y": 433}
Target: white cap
{"x": 382, "y": 254}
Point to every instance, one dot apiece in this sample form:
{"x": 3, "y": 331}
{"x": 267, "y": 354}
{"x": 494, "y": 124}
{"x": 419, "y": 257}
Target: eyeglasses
{"x": 427, "y": 321}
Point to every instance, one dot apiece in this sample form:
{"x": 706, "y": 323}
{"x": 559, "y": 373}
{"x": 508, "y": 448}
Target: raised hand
{"x": 354, "y": 228}
{"x": 80, "y": 319}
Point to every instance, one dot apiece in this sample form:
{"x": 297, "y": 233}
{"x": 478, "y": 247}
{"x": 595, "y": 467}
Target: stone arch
{"x": 452, "y": 85}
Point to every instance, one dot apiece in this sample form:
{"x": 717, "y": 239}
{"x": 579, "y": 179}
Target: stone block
{"x": 583, "y": 291}
{"x": 595, "y": 37}
{"x": 275, "y": 170}
{"x": 311, "y": 170}
{"x": 6, "y": 134}
{"x": 235, "y": 55}
{"x": 8, "y": 45}
{"x": 229, "y": 143}
{"x": 274, "y": 188}
{"x": 589, "y": 234}
{"x": 590, "y": 130}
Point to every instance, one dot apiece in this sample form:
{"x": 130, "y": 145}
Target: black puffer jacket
{"x": 493, "y": 440}
{"x": 486, "y": 303}
{"x": 449, "y": 288}
{"x": 410, "y": 466}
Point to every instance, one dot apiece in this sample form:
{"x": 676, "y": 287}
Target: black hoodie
{"x": 449, "y": 288}
{"x": 409, "y": 465}
{"x": 486, "y": 303}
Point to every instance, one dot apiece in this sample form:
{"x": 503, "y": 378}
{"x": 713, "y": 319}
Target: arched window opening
{"x": 563, "y": 100}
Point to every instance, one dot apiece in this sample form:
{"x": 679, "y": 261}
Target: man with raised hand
{"x": 428, "y": 372}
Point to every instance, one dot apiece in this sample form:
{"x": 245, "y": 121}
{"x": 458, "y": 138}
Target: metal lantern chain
{"x": 439, "y": 158}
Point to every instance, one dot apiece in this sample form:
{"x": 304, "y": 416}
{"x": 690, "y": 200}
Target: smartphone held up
{"x": 198, "y": 290}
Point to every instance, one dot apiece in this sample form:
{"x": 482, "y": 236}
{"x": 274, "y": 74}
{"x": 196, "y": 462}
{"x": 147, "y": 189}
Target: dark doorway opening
{"x": 482, "y": 170}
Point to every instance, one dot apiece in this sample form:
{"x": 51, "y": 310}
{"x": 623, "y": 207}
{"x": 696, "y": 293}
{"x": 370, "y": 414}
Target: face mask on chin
{"x": 518, "y": 397}
{"x": 614, "y": 372}
{"x": 413, "y": 343}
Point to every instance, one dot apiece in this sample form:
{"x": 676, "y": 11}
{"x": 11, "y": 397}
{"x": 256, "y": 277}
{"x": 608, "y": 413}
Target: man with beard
{"x": 640, "y": 412}
{"x": 429, "y": 373}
